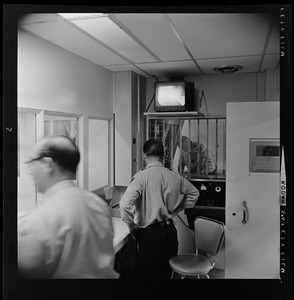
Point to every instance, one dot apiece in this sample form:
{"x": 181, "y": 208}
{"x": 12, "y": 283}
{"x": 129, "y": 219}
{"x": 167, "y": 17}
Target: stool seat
{"x": 190, "y": 264}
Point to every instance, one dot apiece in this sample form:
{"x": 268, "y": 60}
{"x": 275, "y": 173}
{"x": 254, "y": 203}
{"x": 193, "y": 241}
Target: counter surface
{"x": 121, "y": 233}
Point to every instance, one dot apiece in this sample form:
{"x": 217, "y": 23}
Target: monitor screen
{"x": 171, "y": 95}
{"x": 174, "y": 96}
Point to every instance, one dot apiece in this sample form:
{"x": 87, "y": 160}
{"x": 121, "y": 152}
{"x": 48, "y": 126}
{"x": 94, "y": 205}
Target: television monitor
{"x": 173, "y": 96}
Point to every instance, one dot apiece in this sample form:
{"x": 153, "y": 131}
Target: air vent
{"x": 228, "y": 69}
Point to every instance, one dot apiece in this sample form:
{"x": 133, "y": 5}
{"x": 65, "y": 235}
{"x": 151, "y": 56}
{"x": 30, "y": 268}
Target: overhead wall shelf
{"x": 173, "y": 114}
{"x": 186, "y": 114}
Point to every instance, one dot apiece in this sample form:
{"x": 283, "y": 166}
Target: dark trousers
{"x": 155, "y": 246}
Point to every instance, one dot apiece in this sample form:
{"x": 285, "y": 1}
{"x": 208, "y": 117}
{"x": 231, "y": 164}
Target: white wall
{"x": 51, "y": 78}
{"x": 123, "y": 128}
{"x": 220, "y": 89}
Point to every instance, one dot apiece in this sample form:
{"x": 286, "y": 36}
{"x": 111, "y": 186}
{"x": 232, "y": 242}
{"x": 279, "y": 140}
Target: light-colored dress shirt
{"x": 156, "y": 194}
{"x": 69, "y": 236}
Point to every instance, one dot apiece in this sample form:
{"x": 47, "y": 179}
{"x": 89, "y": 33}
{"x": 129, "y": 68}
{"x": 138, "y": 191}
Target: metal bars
{"x": 205, "y": 153}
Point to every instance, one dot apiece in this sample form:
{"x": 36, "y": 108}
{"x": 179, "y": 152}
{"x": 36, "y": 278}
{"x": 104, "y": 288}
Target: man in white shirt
{"x": 152, "y": 199}
{"x": 71, "y": 234}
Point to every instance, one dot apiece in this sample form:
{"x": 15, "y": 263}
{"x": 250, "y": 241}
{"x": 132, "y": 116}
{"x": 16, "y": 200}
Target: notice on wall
{"x": 264, "y": 156}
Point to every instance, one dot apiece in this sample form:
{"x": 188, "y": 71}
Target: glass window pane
{"x": 26, "y": 188}
{"x": 206, "y": 158}
{"x": 98, "y": 153}
{"x": 194, "y": 147}
{"x": 61, "y": 125}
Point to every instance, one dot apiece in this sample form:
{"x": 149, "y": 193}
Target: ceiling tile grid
{"x": 164, "y": 44}
{"x": 172, "y": 69}
{"x": 64, "y": 35}
{"x": 104, "y": 30}
{"x": 156, "y": 34}
{"x": 222, "y": 35}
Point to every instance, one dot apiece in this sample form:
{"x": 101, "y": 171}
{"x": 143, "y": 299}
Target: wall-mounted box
{"x": 264, "y": 156}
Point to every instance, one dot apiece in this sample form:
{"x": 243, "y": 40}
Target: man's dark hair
{"x": 63, "y": 151}
{"x": 153, "y": 147}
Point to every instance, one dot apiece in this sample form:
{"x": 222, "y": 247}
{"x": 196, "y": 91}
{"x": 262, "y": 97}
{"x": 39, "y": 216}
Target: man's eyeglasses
{"x": 34, "y": 159}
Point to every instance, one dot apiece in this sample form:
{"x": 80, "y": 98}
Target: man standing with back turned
{"x": 152, "y": 199}
{"x": 70, "y": 235}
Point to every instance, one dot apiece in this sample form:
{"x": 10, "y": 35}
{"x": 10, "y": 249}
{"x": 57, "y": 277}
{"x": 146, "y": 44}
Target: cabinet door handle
{"x": 245, "y": 212}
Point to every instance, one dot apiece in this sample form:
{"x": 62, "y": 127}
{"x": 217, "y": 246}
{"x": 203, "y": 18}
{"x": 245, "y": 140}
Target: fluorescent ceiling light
{"x": 70, "y": 16}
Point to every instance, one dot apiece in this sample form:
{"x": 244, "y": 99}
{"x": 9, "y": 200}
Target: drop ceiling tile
{"x": 270, "y": 61}
{"x": 249, "y": 64}
{"x": 37, "y": 18}
{"x": 222, "y": 35}
{"x": 168, "y": 69}
{"x": 111, "y": 35}
{"x": 154, "y": 31}
{"x": 118, "y": 68}
{"x": 72, "y": 39}
{"x": 70, "y": 16}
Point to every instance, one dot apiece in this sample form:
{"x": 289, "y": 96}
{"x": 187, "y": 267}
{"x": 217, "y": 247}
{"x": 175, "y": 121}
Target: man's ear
{"x": 49, "y": 164}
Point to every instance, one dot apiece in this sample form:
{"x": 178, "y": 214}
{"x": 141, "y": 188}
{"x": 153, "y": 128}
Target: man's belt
{"x": 160, "y": 224}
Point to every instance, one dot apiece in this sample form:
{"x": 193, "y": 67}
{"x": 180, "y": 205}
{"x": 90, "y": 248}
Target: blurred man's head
{"x": 53, "y": 159}
{"x": 153, "y": 150}
{"x": 185, "y": 143}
